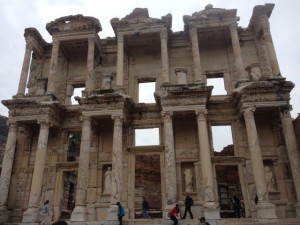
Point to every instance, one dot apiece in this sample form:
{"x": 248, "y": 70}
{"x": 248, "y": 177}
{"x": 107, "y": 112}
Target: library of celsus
{"x": 85, "y": 152}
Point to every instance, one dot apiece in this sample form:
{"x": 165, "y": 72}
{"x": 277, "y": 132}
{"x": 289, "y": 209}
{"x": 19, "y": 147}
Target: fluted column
{"x": 164, "y": 56}
{"x": 120, "y": 60}
{"x": 79, "y": 212}
{"x": 25, "y": 68}
{"x": 170, "y": 162}
{"x": 117, "y": 159}
{"x": 264, "y": 209}
{"x": 270, "y": 46}
{"x": 89, "y": 82}
{"x": 237, "y": 54}
{"x": 6, "y": 171}
{"x": 30, "y": 215}
{"x": 53, "y": 67}
{"x": 206, "y": 165}
{"x": 196, "y": 55}
{"x": 292, "y": 151}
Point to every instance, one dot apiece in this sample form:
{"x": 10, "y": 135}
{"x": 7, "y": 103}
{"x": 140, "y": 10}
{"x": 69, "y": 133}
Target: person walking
{"x": 174, "y": 213}
{"x": 146, "y": 208}
{"x": 236, "y": 206}
{"x": 189, "y": 202}
{"x": 121, "y": 212}
{"x": 44, "y": 213}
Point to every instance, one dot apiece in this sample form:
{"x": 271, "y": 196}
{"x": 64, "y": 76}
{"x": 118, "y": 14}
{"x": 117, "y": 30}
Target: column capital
{"x": 193, "y": 32}
{"x": 233, "y": 27}
{"x": 285, "y": 112}
{"x": 249, "y": 113}
{"x": 167, "y": 115}
{"x": 265, "y": 24}
{"x": 201, "y": 114}
{"x": 29, "y": 46}
{"x": 12, "y": 122}
{"x": 164, "y": 34}
{"x": 91, "y": 39}
{"x": 120, "y": 38}
{"x": 118, "y": 118}
{"x": 45, "y": 123}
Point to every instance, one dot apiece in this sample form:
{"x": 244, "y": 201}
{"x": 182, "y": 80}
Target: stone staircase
{"x": 242, "y": 221}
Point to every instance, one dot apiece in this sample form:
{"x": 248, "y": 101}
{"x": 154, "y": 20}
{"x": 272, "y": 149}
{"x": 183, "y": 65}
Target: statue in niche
{"x": 269, "y": 179}
{"x": 188, "y": 178}
{"x": 107, "y": 181}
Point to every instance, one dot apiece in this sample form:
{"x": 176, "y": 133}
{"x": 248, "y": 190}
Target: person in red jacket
{"x": 174, "y": 213}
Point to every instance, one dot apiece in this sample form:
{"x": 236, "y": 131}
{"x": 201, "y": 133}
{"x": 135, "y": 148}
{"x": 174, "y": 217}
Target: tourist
{"x": 121, "y": 212}
{"x": 236, "y": 206}
{"x": 174, "y": 213}
{"x": 202, "y": 221}
{"x": 146, "y": 208}
{"x": 44, "y": 212}
{"x": 188, "y": 204}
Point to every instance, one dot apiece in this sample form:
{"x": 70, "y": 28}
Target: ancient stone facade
{"x": 83, "y": 157}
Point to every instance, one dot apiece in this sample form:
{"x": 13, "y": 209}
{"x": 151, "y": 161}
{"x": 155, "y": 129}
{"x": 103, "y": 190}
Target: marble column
{"x": 25, "y": 69}
{"x": 170, "y": 162}
{"x": 6, "y": 171}
{"x": 31, "y": 214}
{"x": 53, "y": 67}
{"x": 265, "y": 210}
{"x": 117, "y": 159}
{"x": 120, "y": 61}
{"x": 79, "y": 213}
{"x": 237, "y": 54}
{"x": 270, "y": 46}
{"x": 117, "y": 167}
{"x": 292, "y": 151}
{"x": 196, "y": 55}
{"x": 89, "y": 81}
{"x": 210, "y": 204}
{"x": 164, "y": 56}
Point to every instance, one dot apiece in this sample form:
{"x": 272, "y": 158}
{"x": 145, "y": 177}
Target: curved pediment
{"x": 74, "y": 23}
{"x": 139, "y": 19}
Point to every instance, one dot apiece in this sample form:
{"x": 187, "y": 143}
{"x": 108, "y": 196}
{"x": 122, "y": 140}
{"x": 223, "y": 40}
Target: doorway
{"x": 148, "y": 185}
{"x": 228, "y": 185}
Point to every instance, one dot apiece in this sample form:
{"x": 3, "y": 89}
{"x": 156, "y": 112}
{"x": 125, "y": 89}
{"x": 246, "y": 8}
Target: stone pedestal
{"x": 112, "y": 213}
{"x": 79, "y": 214}
{"x": 211, "y": 211}
{"x": 266, "y": 210}
{"x": 3, "y": 214}
{"x": 30, "y": 215}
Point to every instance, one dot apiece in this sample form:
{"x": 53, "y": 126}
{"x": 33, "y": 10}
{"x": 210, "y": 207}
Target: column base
{"x": 112, "y": 214}
{"x": 3, "y": 215}
{"x": 79, "y": 214}
{"x": 297, "y": 207}
{"x": 211, "y": 211}
{"x": 30, "y": 215}
{"x": 266, "y": 210}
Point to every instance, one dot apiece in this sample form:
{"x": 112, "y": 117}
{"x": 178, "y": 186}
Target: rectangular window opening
{"x": 222, "y": 140}
{"x": 217, "y": 81}
{"x": 145, "y": 137}
{"x": 77, "y": 92}
{"x": 146, "y": 92}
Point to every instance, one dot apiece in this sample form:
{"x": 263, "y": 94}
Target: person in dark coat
{"x": 121, "y": 212}
{"x": 188, "y": 205}
{"x": 236, "y": 206}
{"x": 146, "y": 208}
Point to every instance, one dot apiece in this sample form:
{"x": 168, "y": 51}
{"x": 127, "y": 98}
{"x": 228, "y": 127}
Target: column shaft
{"x": 170, "y": 162}
{"x": 164, "y": 56}
{"x": 206, "y": 165}
{"x": 8, "y": 163}
{"x": 270, "y": 46}
{"x": 117, "y": 159}
{"x": 237, "y": 54}
{"x": 256, "y": 157}
{"x": 89, "y": 82}
{"x": 196, "y": 55}
{"x": 31, "y": 214}
{"x": 53, "y": 67}
{"x": 24, "y": 72}
{"x": 79, "y": 212}
{"x": 292, "y": 149}
{"x": 120, "y": 61}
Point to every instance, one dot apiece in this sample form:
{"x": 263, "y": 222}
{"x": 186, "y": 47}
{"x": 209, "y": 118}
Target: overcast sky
{"x": 16, "y": 15}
